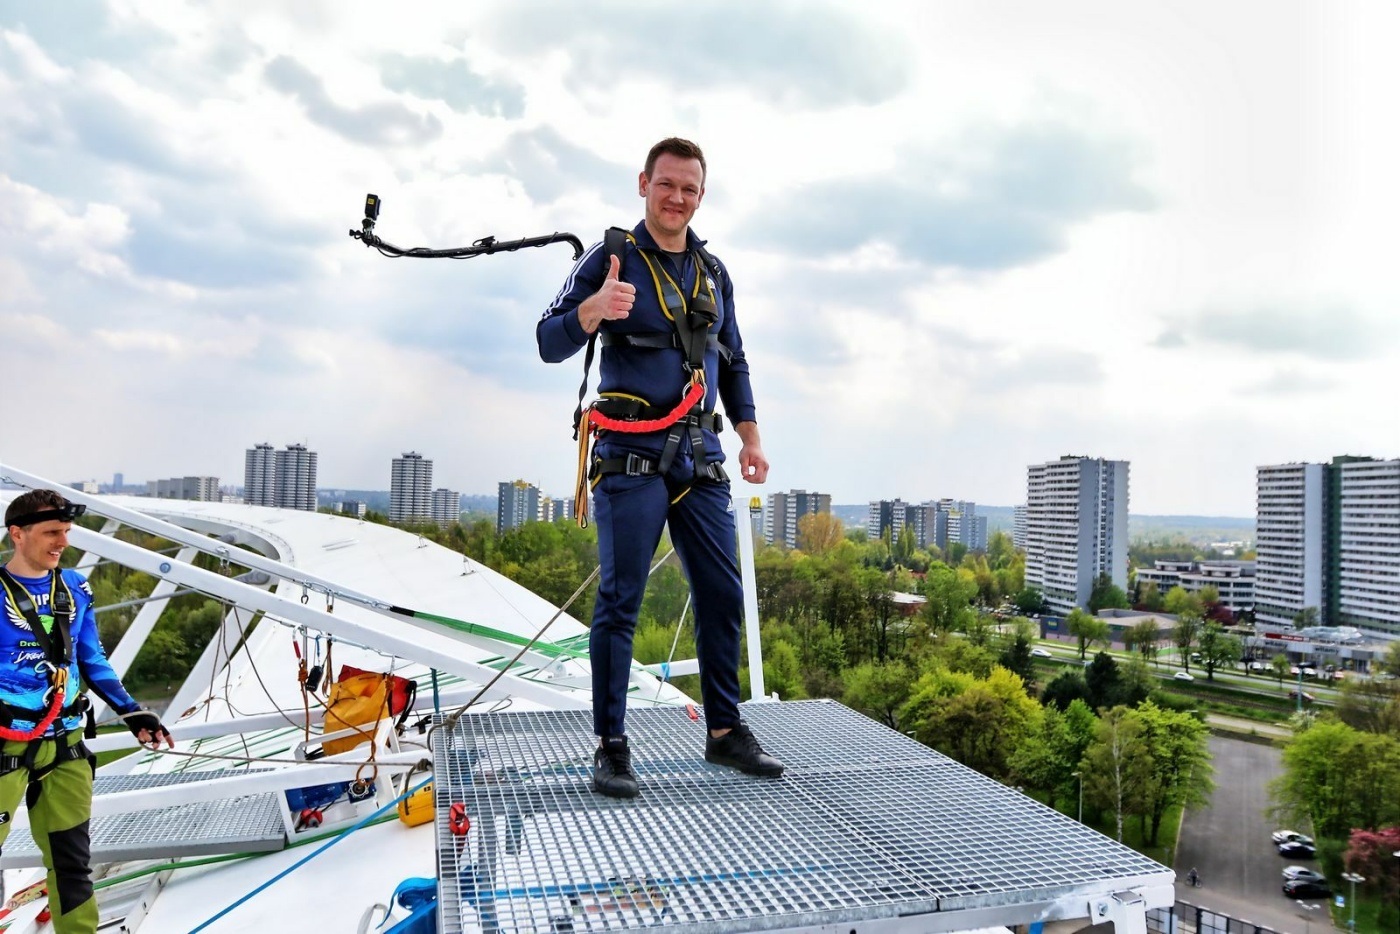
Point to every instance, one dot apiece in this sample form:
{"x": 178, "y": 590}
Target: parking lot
{"x": 1228, "y": 842}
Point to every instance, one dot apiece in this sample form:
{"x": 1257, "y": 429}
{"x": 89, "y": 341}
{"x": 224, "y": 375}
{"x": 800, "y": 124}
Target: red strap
{"x": 692, "y": 396}
{"x": 44, "y": 724}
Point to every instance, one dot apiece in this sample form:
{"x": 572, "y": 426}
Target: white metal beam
{"x": 88, "y": 561}
{"x": 135, "y": 636}
{"x": 402, "y": 644}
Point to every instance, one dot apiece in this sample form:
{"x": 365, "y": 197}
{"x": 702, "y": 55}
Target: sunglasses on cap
{"x": 65, "y": 513}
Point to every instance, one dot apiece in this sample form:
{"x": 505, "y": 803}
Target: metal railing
{"x": 1185, "y": 918}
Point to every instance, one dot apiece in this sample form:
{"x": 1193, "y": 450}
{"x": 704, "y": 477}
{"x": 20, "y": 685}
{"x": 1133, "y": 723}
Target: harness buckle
{"x": 638, "y": 466}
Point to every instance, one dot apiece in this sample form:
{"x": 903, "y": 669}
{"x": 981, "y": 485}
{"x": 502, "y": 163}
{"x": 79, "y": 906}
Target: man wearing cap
{"x": 48, "y": 642}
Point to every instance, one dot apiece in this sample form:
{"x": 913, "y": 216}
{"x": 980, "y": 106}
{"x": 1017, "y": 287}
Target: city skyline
{"x": 963, "y": 238}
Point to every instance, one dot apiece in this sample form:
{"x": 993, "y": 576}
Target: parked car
{"x": 1304, "y": 873}
{"x": 1258, "y": 666}
{"x": 1291, "y": 836}
{"x": 1296, "y": 850}
{"x": 1183, "y": 676}
{"x": 1305, "y": 888}
{"x": 1038, "y": 652}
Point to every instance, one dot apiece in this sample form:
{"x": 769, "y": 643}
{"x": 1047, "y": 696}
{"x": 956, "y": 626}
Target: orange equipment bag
{"x": 361, "y": 699}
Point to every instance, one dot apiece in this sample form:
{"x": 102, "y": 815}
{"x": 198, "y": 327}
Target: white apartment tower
{"x": 280, "y": 478}
{"x": 1368, "y": 566}
{"x": 410, "y": 488}
{"x": 446, "y": 506}
{"x": 259, "y": 475}
{"x": 1018, "y": 528}
{"x": 786, "y": 509}
{"x": 295, "y": 482}
{"x": 1076, "y": 528}
{"x": 1291, "y": 512}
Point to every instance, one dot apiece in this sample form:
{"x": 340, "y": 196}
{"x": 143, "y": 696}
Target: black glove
{"x": 145, "y": 720}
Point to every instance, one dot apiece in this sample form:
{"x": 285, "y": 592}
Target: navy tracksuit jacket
{"x": 630, "y": 512}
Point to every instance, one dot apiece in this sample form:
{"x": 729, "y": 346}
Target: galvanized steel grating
{"x": 245, "y": 824}
{"x": 865, "y": 824}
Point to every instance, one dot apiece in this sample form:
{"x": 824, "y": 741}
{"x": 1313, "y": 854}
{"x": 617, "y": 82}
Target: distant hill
{"x": 1202, "y": 530}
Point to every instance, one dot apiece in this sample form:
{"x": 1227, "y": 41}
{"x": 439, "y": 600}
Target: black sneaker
{"x": 739, "y": 749}
{"x": 612, "y": 769}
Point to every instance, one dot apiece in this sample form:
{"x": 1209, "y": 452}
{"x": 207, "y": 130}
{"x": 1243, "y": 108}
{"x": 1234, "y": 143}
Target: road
{"x": 1228, "y": 843}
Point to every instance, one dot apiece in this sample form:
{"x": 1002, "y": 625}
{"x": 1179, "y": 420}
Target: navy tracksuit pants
{"x": 630, "y": 513}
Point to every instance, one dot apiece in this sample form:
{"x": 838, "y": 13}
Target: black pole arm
{"x": 480, "y": 247}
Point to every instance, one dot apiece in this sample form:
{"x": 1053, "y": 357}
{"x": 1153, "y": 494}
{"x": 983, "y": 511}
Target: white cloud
{"x": 960, "y": 234}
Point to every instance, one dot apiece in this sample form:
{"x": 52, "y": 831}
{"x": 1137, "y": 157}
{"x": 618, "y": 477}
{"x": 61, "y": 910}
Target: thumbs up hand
{"x": 612, "y": 302}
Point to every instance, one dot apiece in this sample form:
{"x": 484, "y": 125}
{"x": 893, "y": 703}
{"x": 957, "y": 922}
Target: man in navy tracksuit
{"x": 643, "y": 480}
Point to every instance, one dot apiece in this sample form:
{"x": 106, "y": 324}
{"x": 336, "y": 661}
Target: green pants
{"x": 60, "y": 805}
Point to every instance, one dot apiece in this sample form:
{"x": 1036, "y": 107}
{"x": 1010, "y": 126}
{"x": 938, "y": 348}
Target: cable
{"x": 308, "y": 858}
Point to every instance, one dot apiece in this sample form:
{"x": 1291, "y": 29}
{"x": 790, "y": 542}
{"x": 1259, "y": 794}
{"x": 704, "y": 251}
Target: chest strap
{"x": 662, "y": 340}
{"x": 58, "y": 645}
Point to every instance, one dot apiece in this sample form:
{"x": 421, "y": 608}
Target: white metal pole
{"x": 743, "y": 521}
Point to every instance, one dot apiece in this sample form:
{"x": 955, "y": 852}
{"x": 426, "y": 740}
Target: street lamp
{"x": 1080, "y": 776}
{"x": 1353, "y": 878}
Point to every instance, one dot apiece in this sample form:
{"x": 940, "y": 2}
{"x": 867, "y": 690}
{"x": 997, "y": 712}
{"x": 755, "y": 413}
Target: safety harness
{"x": 691, "y": 319}
{"x": 57, "y": 646}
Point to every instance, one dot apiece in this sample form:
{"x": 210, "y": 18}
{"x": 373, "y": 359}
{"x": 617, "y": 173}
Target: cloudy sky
{"x": 966, "y": 237}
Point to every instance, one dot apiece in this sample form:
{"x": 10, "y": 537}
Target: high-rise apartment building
{"x": 885, "y": 517}
{"x": 201, "y": 489}
{"x": 1076, "y": 528}
{"x": 296, "y": 478}
{"x": 517, "y": 503}
{"x": 259, "y": 476}
{"x": 930, "y": 524}
{"x": 1289, "y": 532}
{"x": 964, "y": 525}
{"x": 446, "y": 506}
{"x": 1329, "y": 539}
{"x": 1368, "y": 559}
{"x": 552, "y": 509}
{"x": 280, "y": 478}
{"x": 785, "y": 510}
{"x": 410, "y": 488}
{"x": 1018, "y": 527}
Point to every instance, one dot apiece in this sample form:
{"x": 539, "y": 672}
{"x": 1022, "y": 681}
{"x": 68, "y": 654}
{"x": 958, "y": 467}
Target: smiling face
{"x": 672, "y": 192}
{"x": 38, "y": 547}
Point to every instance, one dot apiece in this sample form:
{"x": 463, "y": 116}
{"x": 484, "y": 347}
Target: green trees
{"x": 1180, "y": 770}
{"x": 878, "y": 690}
{"x": 1338, "y": 778}
{"x": 1087, "y": 629}
{"x": 1050, "y": 755}
{"x": 1188, "y": 622}
{"x": 1106, "y": 595}
{"x": 1144, "y": 761}
{"x": 818, "y": 533}
{"x": 1028, "y": 601}
{"x": 979, "y": 722}
{"x": 1218, "y": 649}
{"x": 1116, "y": 768}
{"x": 1143, "y": 637}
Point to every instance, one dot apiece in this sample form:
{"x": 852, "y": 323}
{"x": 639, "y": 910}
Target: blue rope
{"x": 309, "y": 857}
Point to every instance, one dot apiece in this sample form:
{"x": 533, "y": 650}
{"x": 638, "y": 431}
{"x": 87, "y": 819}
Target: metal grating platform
{"x": 865, "y": 826}
{"x": 245, "y": 824}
